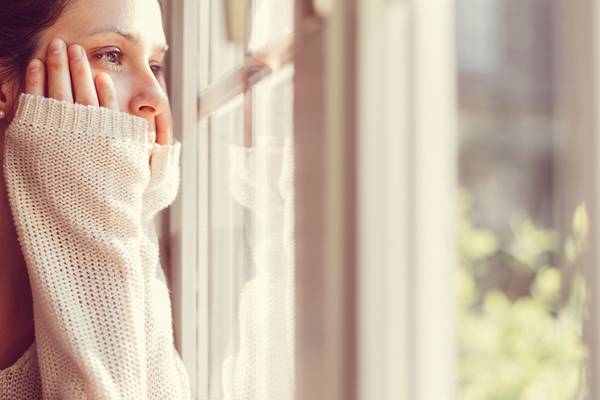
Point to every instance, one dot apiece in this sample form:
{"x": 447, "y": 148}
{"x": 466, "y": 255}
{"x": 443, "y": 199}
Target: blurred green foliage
{"x": 526, "y": 345}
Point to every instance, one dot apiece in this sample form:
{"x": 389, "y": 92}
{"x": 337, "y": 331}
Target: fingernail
{"x": 75, "y": 51}
{"x": 106, "y": 77}
{"x": 34, "y": 65}
{"x": 57, "y": 46}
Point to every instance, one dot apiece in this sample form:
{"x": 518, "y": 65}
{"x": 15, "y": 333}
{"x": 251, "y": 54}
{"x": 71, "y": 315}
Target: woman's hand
{"x": 69, "y": 78}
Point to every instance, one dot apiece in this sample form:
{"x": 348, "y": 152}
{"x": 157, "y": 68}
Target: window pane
{"x": 273, "y": 20}
{"x": 251, "y": 219}
{"x": 261, "y": 367}
{"x": 224, "y": 55}
{"x": 228, "y": 252}
{"x": 522, "y": 229}
{"x": 251, "y": 248}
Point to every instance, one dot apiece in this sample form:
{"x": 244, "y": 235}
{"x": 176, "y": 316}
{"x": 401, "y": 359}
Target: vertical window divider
{"x": 248, "y": 120}
{"x": 324, "y": 142}
{"x": 187, "y": 242}
{"x": 578, "y": 60}
{"x": 407, "y": 178}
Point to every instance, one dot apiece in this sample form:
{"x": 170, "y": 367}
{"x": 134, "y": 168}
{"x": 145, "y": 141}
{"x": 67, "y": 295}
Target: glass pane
{"x": 272, "y": 21}
{"x": 251, "y": 217}
{"x": 251, "y": 250}
{"x": 520, "y": 290}
{"x": 228, "y": 252}
{"x": 261, "y": 180}
{"x": 224, "y": 55}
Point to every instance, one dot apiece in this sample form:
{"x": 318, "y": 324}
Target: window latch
{"x": 322, "y": 8}
{"x": 236, "y": 20}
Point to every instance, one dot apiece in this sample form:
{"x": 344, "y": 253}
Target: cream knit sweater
{"x": 83, "y": 197}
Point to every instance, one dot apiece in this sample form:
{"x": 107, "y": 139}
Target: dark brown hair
{"x": 21, "y": 23}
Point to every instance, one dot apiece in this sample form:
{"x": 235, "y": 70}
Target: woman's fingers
{"x": 81, "y": 77}
{"x": 35, "y": 80}
{"x": 59, "y": 78}
{"x": 106, "y": 92}
{"x": 69, "y": 78}
{"x": 164, "y": 127}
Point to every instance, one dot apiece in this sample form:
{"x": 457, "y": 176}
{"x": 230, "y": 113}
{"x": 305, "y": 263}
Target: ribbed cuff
{"x": 164, "y": 158}
{"x": 89, "y": 120}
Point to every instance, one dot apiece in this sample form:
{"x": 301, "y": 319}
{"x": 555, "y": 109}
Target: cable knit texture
{"x": 83, "y": 197}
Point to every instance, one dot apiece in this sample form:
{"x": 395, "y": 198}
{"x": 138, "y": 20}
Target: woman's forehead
{"x": 84, "y": 18}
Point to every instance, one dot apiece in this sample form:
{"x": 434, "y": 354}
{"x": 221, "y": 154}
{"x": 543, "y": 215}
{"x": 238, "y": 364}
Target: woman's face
{"x": 124, "y": 38}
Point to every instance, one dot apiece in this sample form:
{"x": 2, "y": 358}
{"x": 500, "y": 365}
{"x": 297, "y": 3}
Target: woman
{"x": 88, "y": 160}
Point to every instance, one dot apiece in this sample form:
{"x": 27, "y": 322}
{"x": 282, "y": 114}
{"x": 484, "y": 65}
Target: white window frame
{"x": 346, "y": 351}
{"x": 189, "y": 266}
{"x": 407, "y": 193}
{"x": 333, "y": 338}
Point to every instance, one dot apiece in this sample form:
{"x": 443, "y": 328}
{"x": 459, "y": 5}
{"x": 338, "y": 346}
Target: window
{"x": 491, "y": 103}
{"x": 236, "y": 308}
{"x": 386, "y": 214}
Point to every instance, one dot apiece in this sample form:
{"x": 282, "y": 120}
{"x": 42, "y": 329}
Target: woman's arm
{"x": 77, "y": 178}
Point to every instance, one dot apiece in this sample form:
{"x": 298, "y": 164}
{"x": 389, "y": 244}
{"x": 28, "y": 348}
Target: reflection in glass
{"x": 251, "y": 208}
{"x": 228, "y": 251}
{"x": 261, "y": 181}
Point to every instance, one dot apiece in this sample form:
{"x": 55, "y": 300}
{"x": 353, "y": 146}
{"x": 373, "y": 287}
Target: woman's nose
{"x": 150, "y": 99}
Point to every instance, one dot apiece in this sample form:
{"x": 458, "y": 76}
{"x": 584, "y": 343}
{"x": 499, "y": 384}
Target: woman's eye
{"x": 112, "y": 57}
{"x": 157, "y": 69}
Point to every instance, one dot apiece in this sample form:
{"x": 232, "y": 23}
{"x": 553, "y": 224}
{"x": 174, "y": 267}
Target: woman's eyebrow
{"x": 133, "y": 37}
{"x": 127, "y": 35}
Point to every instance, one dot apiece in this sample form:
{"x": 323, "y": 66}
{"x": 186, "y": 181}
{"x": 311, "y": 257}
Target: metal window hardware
{"x": 256, "y": 67}
{"x": 322, "y": 8}
{"x": 236, "y": 20}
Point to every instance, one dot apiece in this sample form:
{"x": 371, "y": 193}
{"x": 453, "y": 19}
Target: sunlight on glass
{"x": 251, "y": 210}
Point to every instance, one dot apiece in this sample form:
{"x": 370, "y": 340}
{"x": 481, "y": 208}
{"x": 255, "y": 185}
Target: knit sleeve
{"x": 76, "y": 176}
{"x": 170, "y": 381}
{"x": 164, "y": 179}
